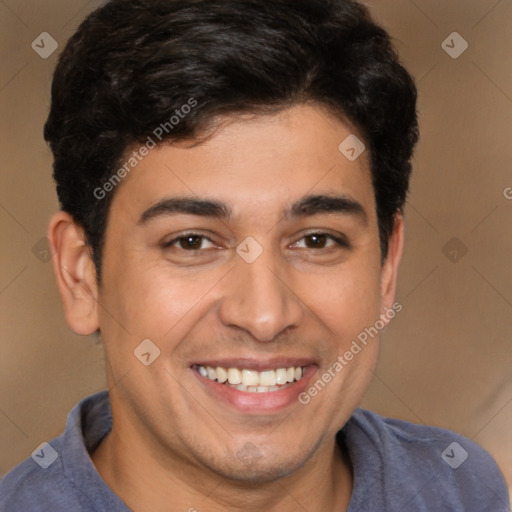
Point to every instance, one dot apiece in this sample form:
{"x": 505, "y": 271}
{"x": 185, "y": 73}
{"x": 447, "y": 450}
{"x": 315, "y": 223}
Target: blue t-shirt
{"x": 398, "y": 467}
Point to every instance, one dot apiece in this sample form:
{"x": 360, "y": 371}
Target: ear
{"x": 75, "y": 273}
{"x": 390, "y": 266}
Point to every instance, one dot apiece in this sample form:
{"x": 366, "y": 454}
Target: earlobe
{"x": 390, "y": 267}
{"x": 75, "y": 273}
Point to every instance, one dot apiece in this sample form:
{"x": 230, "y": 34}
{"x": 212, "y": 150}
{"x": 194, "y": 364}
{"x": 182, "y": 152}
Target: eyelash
{"x": 341, "y": 242}
{"x": 170, "y": 243}
{"x": 338, "y": 241}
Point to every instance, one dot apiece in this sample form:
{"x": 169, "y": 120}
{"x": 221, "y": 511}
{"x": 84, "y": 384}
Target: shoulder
{"x": 424, "y": 466}
{"x": 38, "y": 483}
{"x": 60, "y": 476}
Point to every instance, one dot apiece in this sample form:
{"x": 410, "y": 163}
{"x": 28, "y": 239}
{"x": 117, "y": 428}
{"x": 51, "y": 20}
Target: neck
{"x": 147, "y": 482}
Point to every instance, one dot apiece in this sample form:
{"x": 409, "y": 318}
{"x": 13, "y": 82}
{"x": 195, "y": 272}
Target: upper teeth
{"x": 245, "y": 377}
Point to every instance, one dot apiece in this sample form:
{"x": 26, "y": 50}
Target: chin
{"x": 260, "y": 473}
{"x": 250, "y": 466}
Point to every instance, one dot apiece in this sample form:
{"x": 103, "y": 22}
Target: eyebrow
{"x": 307, "y": 206}
{"x": 186, "y": 205}
{"x": 321, "y": 204}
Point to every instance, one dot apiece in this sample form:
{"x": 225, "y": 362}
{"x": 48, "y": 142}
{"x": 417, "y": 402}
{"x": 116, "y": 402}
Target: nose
{"x": 259, "y": 299}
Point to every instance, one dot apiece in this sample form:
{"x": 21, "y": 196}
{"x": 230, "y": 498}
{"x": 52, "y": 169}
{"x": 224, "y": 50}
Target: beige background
{"x": 446, "y": 359}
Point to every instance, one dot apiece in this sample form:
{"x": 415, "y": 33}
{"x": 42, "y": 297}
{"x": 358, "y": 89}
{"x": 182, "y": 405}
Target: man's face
{"x": 186, "y": 276}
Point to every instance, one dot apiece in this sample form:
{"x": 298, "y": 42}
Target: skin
{"x": 175, "y": 445}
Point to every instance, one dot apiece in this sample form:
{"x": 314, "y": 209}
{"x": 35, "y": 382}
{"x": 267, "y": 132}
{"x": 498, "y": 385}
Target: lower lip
{"x": 257, "y": 403}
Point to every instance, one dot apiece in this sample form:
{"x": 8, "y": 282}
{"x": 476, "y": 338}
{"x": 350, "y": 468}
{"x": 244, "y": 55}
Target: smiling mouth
{"x": 253, "y": 381}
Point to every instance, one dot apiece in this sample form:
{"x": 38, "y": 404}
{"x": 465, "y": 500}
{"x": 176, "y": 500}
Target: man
{"x": 232, "y": 176}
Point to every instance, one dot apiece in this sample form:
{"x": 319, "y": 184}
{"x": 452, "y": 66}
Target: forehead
{"x": 261, "y": 163}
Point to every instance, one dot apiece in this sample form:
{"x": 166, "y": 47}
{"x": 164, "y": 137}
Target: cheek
{"x": 346, "y": 299}
{"x": 157, "y": 302}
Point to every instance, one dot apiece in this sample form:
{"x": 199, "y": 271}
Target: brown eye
{"x": 319, "y": 241}
{"x": 316, "y": 241}
{"x": 190, "y": 243}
